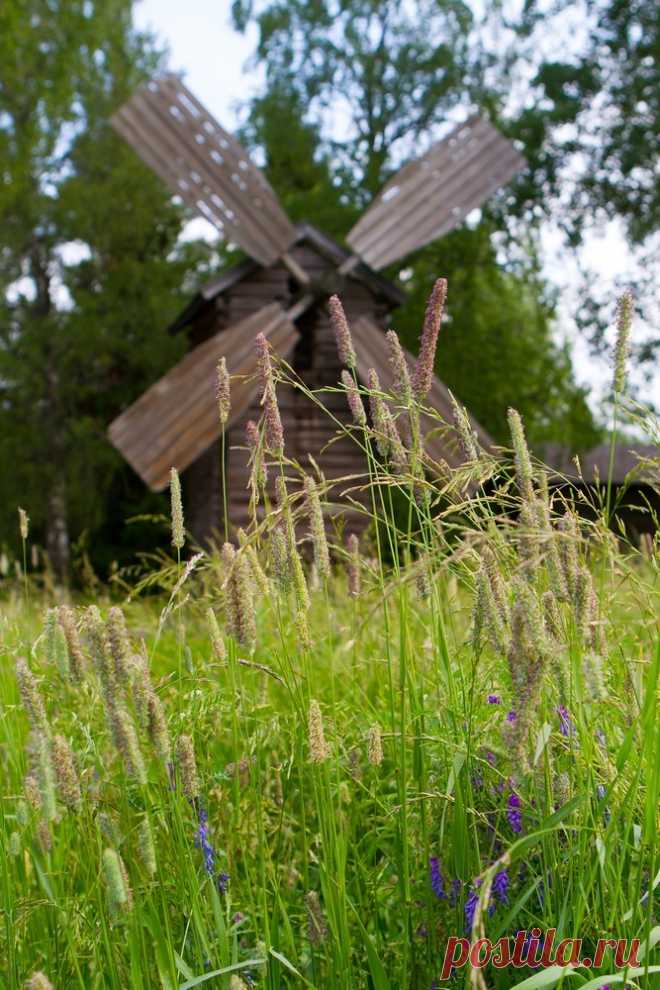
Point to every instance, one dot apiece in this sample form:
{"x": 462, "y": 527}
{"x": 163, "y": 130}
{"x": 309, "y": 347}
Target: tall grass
{"x": 295, "y": 775}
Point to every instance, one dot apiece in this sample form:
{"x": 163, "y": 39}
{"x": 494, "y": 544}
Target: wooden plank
{"x": 206, "y": 166}
{"x": 176, "y": 419}
{"x": 435, "y": 193}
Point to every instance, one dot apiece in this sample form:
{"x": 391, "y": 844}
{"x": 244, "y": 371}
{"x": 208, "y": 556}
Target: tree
{"x": 90, "y": 272}
{"x": 392, "y": 73}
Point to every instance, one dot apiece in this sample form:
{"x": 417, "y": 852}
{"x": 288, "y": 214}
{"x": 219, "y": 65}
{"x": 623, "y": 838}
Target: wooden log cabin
{"x": 239, "y": 293}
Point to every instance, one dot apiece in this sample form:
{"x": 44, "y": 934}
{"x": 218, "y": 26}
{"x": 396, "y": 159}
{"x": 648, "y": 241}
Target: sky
{"x": 213, "y": 57}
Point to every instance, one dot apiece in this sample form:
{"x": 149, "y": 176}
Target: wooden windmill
{"x": 282, "y": 292}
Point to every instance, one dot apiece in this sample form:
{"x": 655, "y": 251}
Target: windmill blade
{"x": 204, "y": 165}
{"x": 432, "y": 195}
{"x": 371, "y": 353}
{"x": 176, "y": 419}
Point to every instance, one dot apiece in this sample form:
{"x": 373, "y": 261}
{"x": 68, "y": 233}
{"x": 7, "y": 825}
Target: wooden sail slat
{"x": 205, "y": 166}
{"x": 456, "y": 175}
{"x": 176, "y": 419}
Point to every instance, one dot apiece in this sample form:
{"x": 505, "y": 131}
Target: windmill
{"x": 282, "y": 290}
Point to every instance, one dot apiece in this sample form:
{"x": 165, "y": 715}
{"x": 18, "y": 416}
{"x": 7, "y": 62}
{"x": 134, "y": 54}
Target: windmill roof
{"x": 304, "y": 232}
{"x": 629, "y": 463}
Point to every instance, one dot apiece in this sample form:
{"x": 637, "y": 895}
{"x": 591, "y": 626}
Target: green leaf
{"x": 195, "y": 982}
{"x": 546, "y": 978}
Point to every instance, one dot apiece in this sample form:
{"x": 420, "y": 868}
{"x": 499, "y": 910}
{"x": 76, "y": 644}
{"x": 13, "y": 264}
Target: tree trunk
{"x": 57, "y": 532}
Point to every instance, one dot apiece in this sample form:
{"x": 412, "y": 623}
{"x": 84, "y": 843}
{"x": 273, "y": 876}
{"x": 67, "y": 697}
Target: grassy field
{"x": 262, "y": 768}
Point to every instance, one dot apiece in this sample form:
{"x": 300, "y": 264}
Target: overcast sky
{"x": 212, "y": 55}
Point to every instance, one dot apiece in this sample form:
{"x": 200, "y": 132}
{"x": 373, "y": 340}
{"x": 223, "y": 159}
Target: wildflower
{"x": 521, "y": 455}
{"x": 65, "y": 774}
{"x": 185, "y": 756}
{"x": 317, "y": 528}
{"x": 223, "y": 391}
{"x": 31, "y": 697}
{"x": 317, "y": 929}
{"x": 494, "y": 699}
{"x": 423, "y": 372}
{"x": 402, "y": 386}
{"x": 318, "y": 748}
{"x": 500, "y": 888}
{"x": 454, "y": 891}
{"x": 437, "y": 880}
{"x": 77, "y": 662}
{"x": 375, "y": 754}
{"x": 342, "y": 332}
{"x": 353, "y": 545}
{"x": 118, "y": 892}
{"x": 565, "y": 724}
{"x": 178, "y": 534}
{"x": 511, "y": 717}
{"x": 23, "y": 523}
{"x": 146, "y": 847}
{"x": 471, "y": 904}
{"x": 354, "y": 399}
{"x": 38, "y": 981}
{"x": 203, "y": 842}
{"x": 513, "y": 813}
{"x": 623, "y": 325}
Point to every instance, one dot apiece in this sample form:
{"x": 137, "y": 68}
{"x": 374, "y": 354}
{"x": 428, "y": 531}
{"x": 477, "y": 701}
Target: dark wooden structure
{"x": 635, "y": 485}
{"x": 282, "y": 291}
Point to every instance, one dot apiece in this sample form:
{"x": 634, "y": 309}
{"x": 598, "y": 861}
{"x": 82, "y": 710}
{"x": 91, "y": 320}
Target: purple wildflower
{"x": 470, "y": 909}
{"x": 600, "y": 791}
{"x": 511, "y": 716}
{"x": 491, "y": 758}
{"x": 565, "y": 723}
{"x": 454, "y": 892}
{"x": 437, "y": 881}
{"x": 501, "y": 887}
{"x": 422, "y": 931}
{"x": 203, "y": 842}
{"x": 513, "y": 813}
{"x": 494, "y": 699}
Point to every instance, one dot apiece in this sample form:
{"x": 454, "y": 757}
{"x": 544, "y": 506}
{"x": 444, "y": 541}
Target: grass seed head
{"x": 353, "y": 569}
{"x": 317, "y": 528}
{"x": 317, "y": 928}
{"x": 157, "y": 728}
{"x": 23, "y": 523}
{"x": 185, "y": 757}
{"x": 77, "y": 661}
{"x": 318, "y": 748}
{"x": 625, "y": 312}
{"x": 521, "y": 455}
{"x": 178, "y": 531}
{"x": 342, "y": 332}
{"x": 223, "y": 391}
{"x": 66, "y": 776}
{"x": 118, "y": 892}
{"x": 375, "y": 752}
{"x": 354, "y": 399}
{"x": 119, "y": 646}
{"x": 402, "y": 386}
{"x": 38, "y": 981}
{"x": 146, "y": 847}
{"x": 423, "y": 373}
{"x": 31, "y": 697}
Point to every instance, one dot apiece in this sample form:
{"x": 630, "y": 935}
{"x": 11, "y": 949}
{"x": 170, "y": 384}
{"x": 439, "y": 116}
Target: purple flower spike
{"x": 565, "y": 723}
{"x": 501, "y": 887}
{"x": 513, "y": 813}
{"x": 511, "y": 716}
{"x": 437, "y": 881}
{"x": 494, "y": 699}
{"x": 470, "y": 909}
{"x": 203, "y": 842}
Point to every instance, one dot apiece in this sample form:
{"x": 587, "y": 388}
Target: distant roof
{"x": 304, "y": 232}
{"x": 630, "y": 460}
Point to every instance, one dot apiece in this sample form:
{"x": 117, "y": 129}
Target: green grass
{"x": 411, "y": 655}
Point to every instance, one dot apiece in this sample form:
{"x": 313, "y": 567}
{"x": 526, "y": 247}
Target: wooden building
{"x": 282, "y": 291}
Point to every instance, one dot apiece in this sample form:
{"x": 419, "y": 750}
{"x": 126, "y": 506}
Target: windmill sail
{"x": 432, "y": 195}
{"x": 176, "y": 419}
{"x": 204, "y": 165}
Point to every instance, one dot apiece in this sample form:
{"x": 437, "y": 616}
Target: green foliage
{"x": 91, "y": 235}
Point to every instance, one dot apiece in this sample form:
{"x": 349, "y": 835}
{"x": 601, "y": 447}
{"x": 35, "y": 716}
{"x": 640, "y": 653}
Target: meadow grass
{"x": 278, "y": 772}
